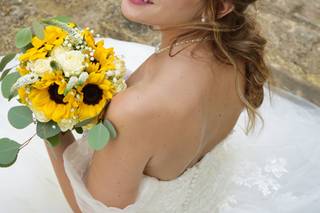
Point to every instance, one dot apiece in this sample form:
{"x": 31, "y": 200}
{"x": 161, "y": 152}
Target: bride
{"x": 181, "y": 146}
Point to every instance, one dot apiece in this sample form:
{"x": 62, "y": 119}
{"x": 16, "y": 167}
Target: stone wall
{"x": 292, "y": 28}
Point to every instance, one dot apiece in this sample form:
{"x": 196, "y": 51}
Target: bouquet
{"x": 64, "y": 81}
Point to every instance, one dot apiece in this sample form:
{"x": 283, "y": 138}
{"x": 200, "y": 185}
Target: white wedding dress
{"x": 276, "y": 170}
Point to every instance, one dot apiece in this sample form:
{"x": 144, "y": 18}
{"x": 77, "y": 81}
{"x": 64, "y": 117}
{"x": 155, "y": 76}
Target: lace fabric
{"x": 275, "y": 171}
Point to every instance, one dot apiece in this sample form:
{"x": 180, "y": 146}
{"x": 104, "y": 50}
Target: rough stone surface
{"x": 292, "y": 28}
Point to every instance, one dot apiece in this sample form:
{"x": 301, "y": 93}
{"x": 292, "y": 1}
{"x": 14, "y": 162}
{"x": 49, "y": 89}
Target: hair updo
{"x": 235, "y": 36}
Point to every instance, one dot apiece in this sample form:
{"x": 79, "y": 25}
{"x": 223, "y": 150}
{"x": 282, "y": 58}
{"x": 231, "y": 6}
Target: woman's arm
{"x": 55, "y": 154}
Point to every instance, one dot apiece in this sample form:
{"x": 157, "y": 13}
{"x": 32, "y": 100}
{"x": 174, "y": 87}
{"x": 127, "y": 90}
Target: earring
{"x": 203, "y": 18}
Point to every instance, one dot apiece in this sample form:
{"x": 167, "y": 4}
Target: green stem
{"x": 27, "y": 141}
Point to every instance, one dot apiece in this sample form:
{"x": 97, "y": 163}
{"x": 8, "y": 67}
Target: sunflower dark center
{"x": 54, "y": 95}
{"x": 92, "y": 94}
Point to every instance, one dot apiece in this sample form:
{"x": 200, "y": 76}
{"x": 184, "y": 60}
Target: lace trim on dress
{"x": 263, "y": 179}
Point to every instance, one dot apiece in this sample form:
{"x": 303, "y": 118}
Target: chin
{"x": 141, "y": 14}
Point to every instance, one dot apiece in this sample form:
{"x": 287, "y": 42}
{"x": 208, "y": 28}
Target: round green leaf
{"x": 47, "y": 130}
{"x": 25, "y": 48}
{"x": 98, "y": 136}
{"x": 38, "y": 29}
{"x": 110, "y": 127}
{"x": 54, "y": 140}
{"x": 4, "y": 73}
{"x": 8, "y": 82}
{"x": 79, "y": 130}
{"x": 8, "y": 152}
{"x": 23, "y": 37}
{"x": 5, "y": 60}
{"x": 64, "y": 19}
{"x": 20, "y": 116}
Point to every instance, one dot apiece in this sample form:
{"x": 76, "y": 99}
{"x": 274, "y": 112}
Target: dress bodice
{"x": 154, "y": 195}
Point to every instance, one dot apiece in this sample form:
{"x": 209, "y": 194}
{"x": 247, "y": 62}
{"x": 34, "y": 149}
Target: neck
{"x": 168, "y": 36}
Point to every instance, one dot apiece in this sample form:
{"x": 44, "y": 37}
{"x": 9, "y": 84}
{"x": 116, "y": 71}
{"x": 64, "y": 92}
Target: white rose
{"x": 71, "y": 62}
{"x": 58, "y": 50}
{"x": 40, "y": 66}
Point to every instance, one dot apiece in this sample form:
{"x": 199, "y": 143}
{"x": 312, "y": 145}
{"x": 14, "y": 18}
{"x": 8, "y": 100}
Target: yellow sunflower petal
{"x": 49, "y": 108}
{"x": 59, "y": 112}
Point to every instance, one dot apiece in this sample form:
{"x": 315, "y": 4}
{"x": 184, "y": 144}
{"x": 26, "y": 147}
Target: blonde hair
{"x": 235, "y": 36}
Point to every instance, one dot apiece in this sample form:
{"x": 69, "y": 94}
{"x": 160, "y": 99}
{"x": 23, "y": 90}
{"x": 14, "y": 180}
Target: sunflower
{"x": 94, "y": 94}
{"x": 22, "y": 95}
{"x": 105, "y": 57}
{"x": 22, "y": 70}
{"x": 88, "y": 37}
{"x": 53, "y": 36}
{"x": 93, "y": 67}
{"x": 46, "y": 96}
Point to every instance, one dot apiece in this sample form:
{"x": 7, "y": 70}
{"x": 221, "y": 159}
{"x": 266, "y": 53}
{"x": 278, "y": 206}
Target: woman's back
{"x": 202, "y": 98}
{"x": 255, "y": 173}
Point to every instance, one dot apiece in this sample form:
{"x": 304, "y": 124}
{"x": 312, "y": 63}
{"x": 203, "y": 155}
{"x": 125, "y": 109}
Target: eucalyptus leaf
{"x": 24, "y": 49}
{"x": 8, "y": 82}
{"x": 47, "y": 129}
{"x": 65, "y": 19}
{"x": 98, "y": 136}
{"x": 38, "y": 29}
{"x": 54, "y": 140}
{"x": 4, "y": 73}
{"x": 110, "y": 127}
{"x": 12, "y": 94}
{"x": 20, "y": 116}
{"x": 54, "y": 65}
{"x": 6, "y": 59}
{"x": 79, "y": 130}
{"x": 8, "y": 152}
{"x": 23, "y": 37}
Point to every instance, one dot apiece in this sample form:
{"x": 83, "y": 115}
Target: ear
{"x": 225, "y": 7}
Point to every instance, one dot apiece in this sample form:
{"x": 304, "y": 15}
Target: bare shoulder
{"x": 120, "y": 165}
{"x": 137, "y": 114}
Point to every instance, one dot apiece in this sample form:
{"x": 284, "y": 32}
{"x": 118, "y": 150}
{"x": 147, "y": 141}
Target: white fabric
{"x": 275, "y": 171}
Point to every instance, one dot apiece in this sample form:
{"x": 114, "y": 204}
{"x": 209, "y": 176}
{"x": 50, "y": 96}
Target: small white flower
{"x": 82, "y": 78}
{"x": 72, "y": 82}
{"x": 24, "y": 80}
{"x": 109, "y": 73}
{"x": 67, "y": 124}
{"x": 40, "y": 66}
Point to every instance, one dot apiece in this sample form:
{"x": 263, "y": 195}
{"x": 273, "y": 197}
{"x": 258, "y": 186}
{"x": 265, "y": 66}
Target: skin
{"x": 174, "y": 111}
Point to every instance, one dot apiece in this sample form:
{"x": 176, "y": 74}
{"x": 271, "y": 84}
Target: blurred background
{"x": 292, "y": 28}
